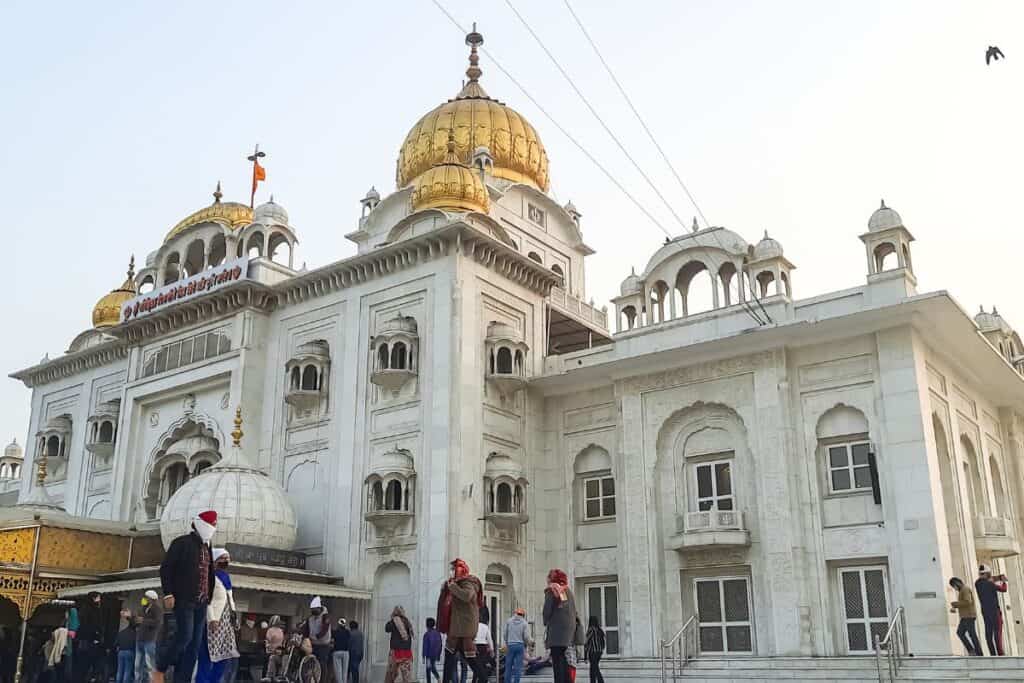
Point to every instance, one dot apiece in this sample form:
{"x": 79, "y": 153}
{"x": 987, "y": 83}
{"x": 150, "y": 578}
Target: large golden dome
{"x": 450, "y": 185}
{"x": 477, "y": 121}
{"x": 107, "y": 311}
{"x": 230, "y": 214}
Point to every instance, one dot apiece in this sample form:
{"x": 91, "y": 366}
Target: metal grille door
{"x": 865, "y": 606}
{"x": 723, "y": 613}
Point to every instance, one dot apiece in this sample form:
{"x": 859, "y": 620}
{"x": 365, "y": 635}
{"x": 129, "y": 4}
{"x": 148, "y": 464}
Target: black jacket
{"x": 179, "y": 572}
{"x": 397, "y": 643}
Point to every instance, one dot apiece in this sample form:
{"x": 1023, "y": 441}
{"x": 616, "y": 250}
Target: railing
{"x": 675, "y": 653}
{"x": 709, "y": 520}
{"x": 895, "y": 645}
{"x": 576, "y": 306}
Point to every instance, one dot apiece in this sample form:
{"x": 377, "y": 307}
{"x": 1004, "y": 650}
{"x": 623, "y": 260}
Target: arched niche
{"x": 392, "y": 586}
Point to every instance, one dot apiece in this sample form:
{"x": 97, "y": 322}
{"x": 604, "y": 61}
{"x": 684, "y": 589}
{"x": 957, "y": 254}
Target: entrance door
{"x": 603, "y": 603}
{"x": 723, "y": 615}
{"x": 865, "y": 606}
{"x": 493, "y": 601}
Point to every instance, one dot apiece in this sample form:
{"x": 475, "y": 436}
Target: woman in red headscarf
{"x": 458, "y": 615}
{"x": 561, "y": 620}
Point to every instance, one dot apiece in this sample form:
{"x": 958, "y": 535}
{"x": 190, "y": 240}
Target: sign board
{"x": 268, "y": 557}
{"x": 189, "y": 288}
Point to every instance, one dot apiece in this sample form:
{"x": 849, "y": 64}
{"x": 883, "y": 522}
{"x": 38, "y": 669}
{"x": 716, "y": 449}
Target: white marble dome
{"x": 631, "y": 285}
{"x": 270, "y": 213}
{"x": 884, "y": 218}
{"x": 13, "y": 450}
{"x": 767, "y": 248}
{"x": 252, "y": 508}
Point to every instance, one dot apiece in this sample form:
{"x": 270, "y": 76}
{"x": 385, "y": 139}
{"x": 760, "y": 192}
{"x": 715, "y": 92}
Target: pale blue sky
{"x": 792, "y": 116}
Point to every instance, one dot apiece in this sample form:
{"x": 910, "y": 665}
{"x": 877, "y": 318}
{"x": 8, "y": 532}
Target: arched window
{"x": 557, "y": 270}
{"x": 106, "y": 434}
{"x": 659, "y": 300}
{"x": 309, "y": 378}
{"x": 15, "y": 471}
{"x": 504, "y": 361}
{"x": 254, "y": 247}
{"x": 147, "y": 285}
{"x": 697, "y": 287}
{"x": 886, "y": 257}
{"x": 726, "y": 274}
{"x": 175, "y": 477}
{"x": 377, "y": 496}
{"x": 201, "y": 467}
{"x": 3, "y": 471}
{"x": 503, "y": 498}
{"x": 595, "y": 484}
{"x": 296, "y": 380}
{"x": 382, "y": 357}
{"x": 629, "y": 318}
{"x": 393, "y": 495}
{"x": 519, "y": 363}
{"x": 398, "y": 356}
{"x": 535, "y": 257}
{"x": 53, "y": 447}
{"x": 764, "y": 281}
{"x": 846, "y": 449}
{"x": 972, "y": 475}
{"x": 997, "y": 488}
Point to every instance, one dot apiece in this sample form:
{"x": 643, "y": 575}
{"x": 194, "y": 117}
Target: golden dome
{"x": 450, "y": 185}
{"x": 478, "y": 121}
{"x": 107, "y": 311}
{"x": 230, "y": 214}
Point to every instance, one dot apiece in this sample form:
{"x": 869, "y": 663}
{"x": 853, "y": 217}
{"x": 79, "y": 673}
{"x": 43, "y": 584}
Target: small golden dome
{"x": 230, "y": 214}
{"x": 450, "y": 185}
{"x": 478, "y": 121}
{"x": 107, "y": 311}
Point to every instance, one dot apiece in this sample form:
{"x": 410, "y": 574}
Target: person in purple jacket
{"x": 431, "y": 649}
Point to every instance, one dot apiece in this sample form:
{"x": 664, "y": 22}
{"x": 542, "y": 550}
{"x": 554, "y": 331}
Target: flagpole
{"x": 254, "y": 158}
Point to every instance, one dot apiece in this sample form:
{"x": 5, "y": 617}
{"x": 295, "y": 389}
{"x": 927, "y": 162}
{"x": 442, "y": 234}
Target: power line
{"x": 561, "y": 129}
{"x": 582, "y": 149}
{"x": 636, "y": 113}
{"x": 593, "y": 111}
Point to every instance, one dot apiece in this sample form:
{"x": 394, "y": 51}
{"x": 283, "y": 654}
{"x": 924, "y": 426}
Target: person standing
{"x": 148, "y": 624}
{"x": 594, "y": 648}
{"x": 988, "y": 589}
{"x": 964, "y": 605}
{"x": 400, "y": 654}
{"x": 431, "y": 649}
{"x": 356, "y": 649}
{"x": 484, "y": 648}
{"x": 187, "y": 579}
{"x": 88, "y": 640}
{"x": 516, "y": 638}
{"x": 458, "y": 616}
{"x": 560, "y": 620}
{"x": 126, "y": 650}
{"x": 339, "y": 658}
{"x": 318, "y": 629}
{"x": 220, "y": 646}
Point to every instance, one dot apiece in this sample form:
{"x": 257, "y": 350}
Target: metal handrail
{"x": 894, "y": 642}
{"x": 674, "y": 652}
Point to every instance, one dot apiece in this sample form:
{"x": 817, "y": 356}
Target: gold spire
{"x": 237, "y": 434}
{"x": 41, "y": 470}
{"x": 131, "y": 267}
{"x": 217, "y": 194}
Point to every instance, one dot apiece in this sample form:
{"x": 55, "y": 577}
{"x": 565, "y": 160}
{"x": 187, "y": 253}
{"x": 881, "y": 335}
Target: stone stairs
{"x": 845, "y": 669}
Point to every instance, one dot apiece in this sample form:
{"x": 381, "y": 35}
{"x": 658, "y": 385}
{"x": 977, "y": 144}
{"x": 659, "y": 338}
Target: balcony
{"x": 994, "y": 537}
{"x": 574, "y": 324}
{"x": 578, "y": 309}
{"x": 710, "y": 529}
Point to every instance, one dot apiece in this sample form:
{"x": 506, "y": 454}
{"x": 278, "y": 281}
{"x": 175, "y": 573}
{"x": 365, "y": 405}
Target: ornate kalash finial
{"x": 41, "y": 471}
{"x": 217, "y": 194}
{"x": 472, "y": 89}
{"x": 131, "y": 267}
{"x": 451, "y": 157}
{"x": 237, "y": 433}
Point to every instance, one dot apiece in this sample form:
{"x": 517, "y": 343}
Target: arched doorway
{"x": 392, "y": 585}
{"x": 954, "y": 521}
{"x": 500, "y": 600}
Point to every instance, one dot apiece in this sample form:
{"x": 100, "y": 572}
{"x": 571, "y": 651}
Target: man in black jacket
{"x": 187, "y": 578}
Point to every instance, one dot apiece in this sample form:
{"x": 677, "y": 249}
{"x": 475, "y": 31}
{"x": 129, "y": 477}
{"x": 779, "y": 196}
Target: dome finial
{"x": 217, "y": 194}
{"x": 131, "y": 267}
{"x": 237, "y": 433}
{"x": 474, "y": 39}
{"x": 883, "y": 205}
{"x": 41, "y": 471}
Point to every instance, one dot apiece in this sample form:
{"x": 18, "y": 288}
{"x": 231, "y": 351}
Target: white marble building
{"x": 448, "y": 392}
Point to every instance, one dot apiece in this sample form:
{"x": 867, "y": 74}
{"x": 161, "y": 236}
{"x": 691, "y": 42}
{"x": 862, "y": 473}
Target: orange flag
{"x": 258, "y": 173}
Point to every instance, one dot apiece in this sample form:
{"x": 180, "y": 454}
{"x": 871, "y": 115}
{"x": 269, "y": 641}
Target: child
{"x": 431, "y": 649}
{"x": 126, "y": 650}
{"x": 570, "y": 659}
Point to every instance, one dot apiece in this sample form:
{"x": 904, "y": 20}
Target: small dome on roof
{"x": 270, "y": 213}
{"x": 884, "y": 218}
{"x": 991, "y": 321}
{"x": 400, "y": 323}
{"x": 372, "y": 194}
{"x": 767, "y": 248}
{"x": 631, "y": 285}
{"x": 13, "y": 450}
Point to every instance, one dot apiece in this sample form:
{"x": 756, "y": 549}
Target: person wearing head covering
{"x": 400, "y": 656}
{"x": 318, "y": 629}
{"x": 560, "y": 620}
{"x": 221, "y": 648}
{"x": 516, "y": 638}
{"x": 187, "y": 579}
{"x": 339, "y": 658}
{"x": 458, "y": 616}
{"x": 988, "y": 588}
{"x": 149, "y": 621}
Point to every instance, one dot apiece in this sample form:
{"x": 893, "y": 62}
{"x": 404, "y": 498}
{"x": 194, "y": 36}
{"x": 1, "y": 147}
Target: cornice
{"x": 72, "y": 363}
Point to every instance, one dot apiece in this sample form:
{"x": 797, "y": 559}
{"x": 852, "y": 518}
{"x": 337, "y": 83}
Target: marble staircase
{"x": 844, "y": 669}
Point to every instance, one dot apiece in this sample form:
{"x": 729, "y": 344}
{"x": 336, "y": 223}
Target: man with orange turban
{"x": 458, "y": 616}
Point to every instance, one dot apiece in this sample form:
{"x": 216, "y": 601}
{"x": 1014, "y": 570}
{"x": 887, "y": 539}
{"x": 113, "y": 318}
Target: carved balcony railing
{"x": 704, "y": 529}
{"x": 575, "y": 307}
{"x": 995, "y": 537}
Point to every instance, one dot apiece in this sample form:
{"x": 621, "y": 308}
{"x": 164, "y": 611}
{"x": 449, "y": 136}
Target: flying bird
{"x": 993, "y": 52}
